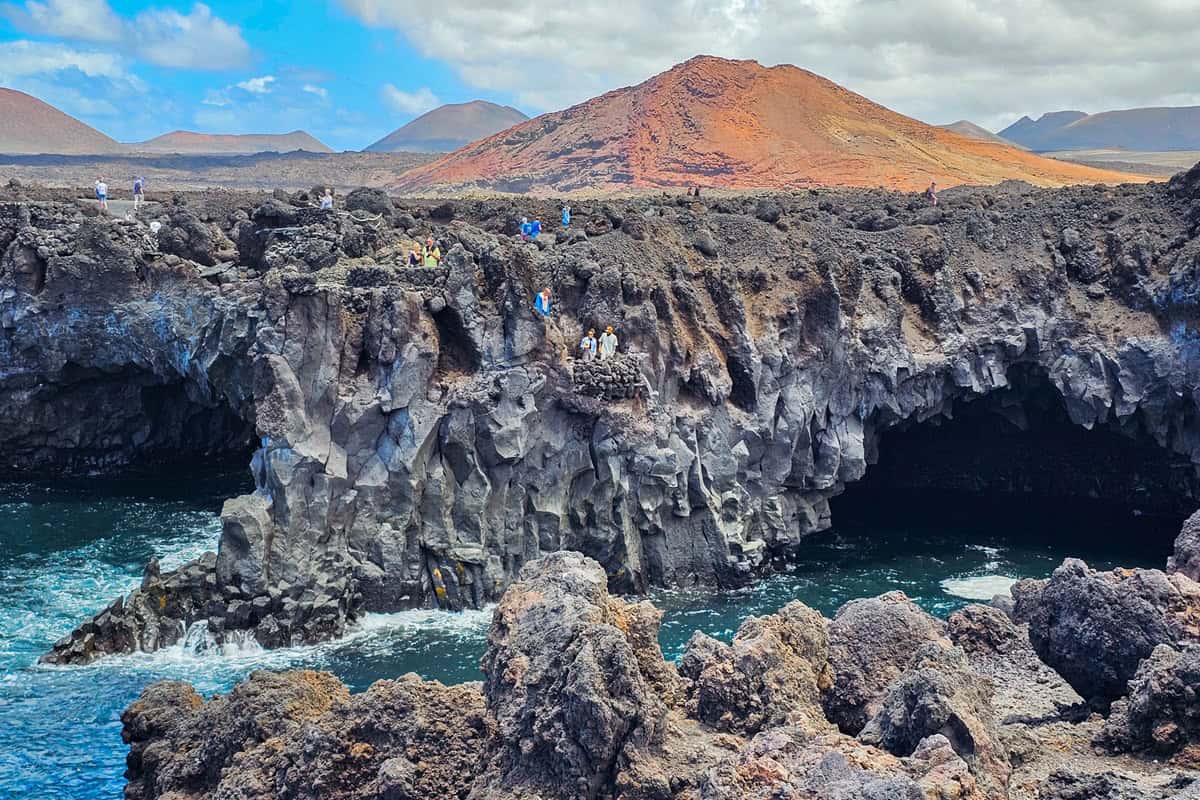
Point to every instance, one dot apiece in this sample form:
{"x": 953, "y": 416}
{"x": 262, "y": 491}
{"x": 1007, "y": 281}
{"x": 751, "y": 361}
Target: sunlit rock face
{"x": 421, "y": 434}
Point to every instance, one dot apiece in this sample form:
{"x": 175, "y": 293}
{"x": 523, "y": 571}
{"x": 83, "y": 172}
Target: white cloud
{"x": 22, "y": 59}
{"x": 260, "y": 85}
{"x": 935, "y": 59}
{"x": 417, "y": 102}
{"x": 83, "y": 20}
{"x": 161, "y": 36}
{"x": 319, "y": 91}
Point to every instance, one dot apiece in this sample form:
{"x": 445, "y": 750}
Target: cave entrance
{"x": 1010, "y": 468}
{"x": 123, "y": 422}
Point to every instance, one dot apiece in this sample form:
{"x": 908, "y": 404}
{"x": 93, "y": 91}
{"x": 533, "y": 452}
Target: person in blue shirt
{"x": 542, "y": 302}
{"x": 139, "y": 185}
{"x": 566, "y": 216}
{"x": 535, "y": 228}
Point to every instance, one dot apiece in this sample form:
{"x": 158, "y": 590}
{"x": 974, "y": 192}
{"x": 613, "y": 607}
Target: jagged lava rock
{"x": 871, "y": 643}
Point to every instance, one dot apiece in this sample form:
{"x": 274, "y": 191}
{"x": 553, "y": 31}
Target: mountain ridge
{"x": 31, "y": 126}
{"x": 449, "y": 127}
{"x": 728, "y": 124}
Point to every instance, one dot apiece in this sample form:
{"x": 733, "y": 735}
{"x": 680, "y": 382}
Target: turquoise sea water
{"x": 68, "y": 548}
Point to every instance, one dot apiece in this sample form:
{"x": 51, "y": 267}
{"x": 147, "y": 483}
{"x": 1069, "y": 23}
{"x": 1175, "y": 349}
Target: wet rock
{"x": 871, "y": 642}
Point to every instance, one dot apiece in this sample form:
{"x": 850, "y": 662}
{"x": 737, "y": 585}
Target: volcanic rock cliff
{"x": 419, "y": 435}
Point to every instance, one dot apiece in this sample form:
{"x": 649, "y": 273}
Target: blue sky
{"x": 136, "y": 70}
{"x": 350, "y": 71}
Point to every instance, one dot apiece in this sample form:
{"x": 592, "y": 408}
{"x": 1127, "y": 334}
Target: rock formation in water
{"x": 578, "y": 704}
{"x": 420, "y": 434}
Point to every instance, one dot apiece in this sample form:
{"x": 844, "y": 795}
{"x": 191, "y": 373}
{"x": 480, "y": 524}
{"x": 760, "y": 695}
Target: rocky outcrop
{"x": 301, "y": 735}
{"x": 418, "y": 436}
{"x": 1186, "y": 557}
{"x": 771, "y": 674}
{"x": 1160, "y": 715}
{"x": 939, "y": 693}
{"x": 871, "y": 642}
{"x": 1094, "y": 628}
{"x": 578, "y": 704}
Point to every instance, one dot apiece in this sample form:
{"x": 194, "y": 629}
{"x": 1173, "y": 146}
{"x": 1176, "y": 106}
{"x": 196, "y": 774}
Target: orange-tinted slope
{"x": 27, "y": 125}
{"x": 738, "y": 125}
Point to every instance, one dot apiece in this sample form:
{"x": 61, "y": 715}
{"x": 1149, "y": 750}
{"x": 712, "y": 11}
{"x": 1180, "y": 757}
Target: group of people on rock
{"x": 605, "y": 347}
{"x": 532, "y": 229}
{"x": 429, "y": 256}
{"x": 590, "y": 348}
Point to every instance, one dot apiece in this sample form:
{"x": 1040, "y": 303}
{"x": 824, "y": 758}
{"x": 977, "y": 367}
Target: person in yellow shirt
{"x": 431, "y": 253}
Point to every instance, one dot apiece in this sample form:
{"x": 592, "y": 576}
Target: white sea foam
{"x": 978, "y": 587}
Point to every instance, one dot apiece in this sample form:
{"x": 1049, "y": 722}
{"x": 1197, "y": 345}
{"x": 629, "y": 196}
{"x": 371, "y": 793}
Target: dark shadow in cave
{"x": 1012, "y": 467}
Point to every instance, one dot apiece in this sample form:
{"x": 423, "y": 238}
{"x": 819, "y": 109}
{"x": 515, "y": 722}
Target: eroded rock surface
{"x": 419, "y": 435}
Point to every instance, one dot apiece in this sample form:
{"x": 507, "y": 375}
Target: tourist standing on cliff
{"x": 432, "y": 255}
{"x": 542, "y": 303}
{"x": 139, "y": 185}
{"x": 102, "y": 193}
{"x": 931, "y": 194}
{"x": 566, "y": 216}
{"x": 587, "y": 345}
{"x": 608, "y": 344}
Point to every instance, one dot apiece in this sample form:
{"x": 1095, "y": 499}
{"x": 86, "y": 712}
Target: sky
{"x": 350, "y": 71}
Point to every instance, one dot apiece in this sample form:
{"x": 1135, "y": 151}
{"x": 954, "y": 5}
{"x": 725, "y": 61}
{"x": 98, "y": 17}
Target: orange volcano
{"x": 735, "y": 125}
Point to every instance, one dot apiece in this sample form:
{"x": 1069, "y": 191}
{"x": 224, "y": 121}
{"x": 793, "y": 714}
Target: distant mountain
{"x": 1143, "y": 129}
{"x": 737, "y": 125}
{"x": 968, "y": 128}
{"x": 29, "y": 126}
{"x": 189, "y": 143}
{"x": 450, "y": 127}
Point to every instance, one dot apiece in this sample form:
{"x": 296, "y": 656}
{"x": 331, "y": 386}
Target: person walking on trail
{"x": 327, "y": 200}
{"x": 542, "y": 302}
{"x": 432, "y": 255}
{"x": 102, "y": 193}
{"x": 931, "y": 194}
{"x": 139, "y": 185}
{"x": 587, "y": 346}
{"x": 526, "y": 228}
{"x": 566, "y": 216}
{"x": 608, "y": 344}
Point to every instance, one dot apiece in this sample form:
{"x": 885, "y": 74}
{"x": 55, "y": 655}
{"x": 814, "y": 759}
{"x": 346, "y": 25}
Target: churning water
{"x": 67, "y": 549}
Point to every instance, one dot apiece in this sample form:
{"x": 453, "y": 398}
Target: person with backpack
{"x": 432, "y": 255}
{"x": 102, "y": 193}
{"x": 139, "y": 185}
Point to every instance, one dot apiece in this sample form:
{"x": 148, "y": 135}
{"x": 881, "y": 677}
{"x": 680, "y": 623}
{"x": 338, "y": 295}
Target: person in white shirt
{"x": 102, "y": 193}
{"x": 327, "y": 200}
{"x": 608, "y": 344}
